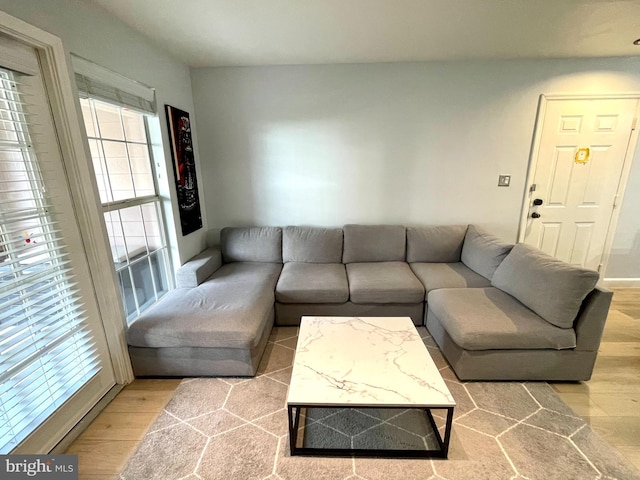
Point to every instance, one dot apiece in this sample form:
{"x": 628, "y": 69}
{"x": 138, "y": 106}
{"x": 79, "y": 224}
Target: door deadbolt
{"x": 538, "y": 201}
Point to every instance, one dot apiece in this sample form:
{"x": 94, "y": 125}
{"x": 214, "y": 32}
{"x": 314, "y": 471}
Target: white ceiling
{"x": 207, "y": 33}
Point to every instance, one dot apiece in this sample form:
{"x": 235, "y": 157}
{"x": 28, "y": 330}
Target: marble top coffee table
{"x": 368, "y": 364}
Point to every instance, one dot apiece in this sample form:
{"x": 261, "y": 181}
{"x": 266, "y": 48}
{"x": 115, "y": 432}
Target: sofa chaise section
{"x": 220, "y": 326}
{"x": 542, "y": 319}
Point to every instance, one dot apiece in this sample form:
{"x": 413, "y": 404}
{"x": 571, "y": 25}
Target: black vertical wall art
{"x": 184, "y": 167}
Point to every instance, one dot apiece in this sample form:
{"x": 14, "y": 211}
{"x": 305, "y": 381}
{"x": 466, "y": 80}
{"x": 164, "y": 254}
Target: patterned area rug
{"x": 236, "y": 429}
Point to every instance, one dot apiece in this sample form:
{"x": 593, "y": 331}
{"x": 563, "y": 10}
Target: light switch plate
{"x": 504, "y": 180}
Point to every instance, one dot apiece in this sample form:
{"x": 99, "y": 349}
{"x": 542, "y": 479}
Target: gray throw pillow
{"x": 483, "y": 252}
{"x": 550, "y": 287}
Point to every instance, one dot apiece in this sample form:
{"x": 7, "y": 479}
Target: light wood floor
{"x": 610, "y": 401}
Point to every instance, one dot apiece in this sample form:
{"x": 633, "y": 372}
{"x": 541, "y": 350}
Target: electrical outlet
{"x": 504, "y": 180}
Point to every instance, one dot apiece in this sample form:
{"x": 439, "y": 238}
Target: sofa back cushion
{"x": 374, "y": 243}
{"x": 312, "y": 245}
{"x": 483, "y": 252}
{"x": 435, "y": 244}
{"x": 548, "y": 286}
{"x": 251, "y": 244}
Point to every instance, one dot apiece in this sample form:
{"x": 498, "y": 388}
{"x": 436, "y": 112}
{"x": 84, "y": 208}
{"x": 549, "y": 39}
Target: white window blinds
{"x": 94, "y": 81}
{"x": 47, "y": 351}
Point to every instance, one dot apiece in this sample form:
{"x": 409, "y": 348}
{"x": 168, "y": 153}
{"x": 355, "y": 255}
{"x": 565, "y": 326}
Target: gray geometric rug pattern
{"x": 237, "y": 429}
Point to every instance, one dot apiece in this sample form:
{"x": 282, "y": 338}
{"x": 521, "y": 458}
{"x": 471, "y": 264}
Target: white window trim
{"x": 119, "y": 205}
{"x": 57, "y": 75}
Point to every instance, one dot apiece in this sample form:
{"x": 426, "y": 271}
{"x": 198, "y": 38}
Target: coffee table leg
{"x": 443, "y": 441}
{"x": 294, "y": 423}
{"x": 447, "y": 432}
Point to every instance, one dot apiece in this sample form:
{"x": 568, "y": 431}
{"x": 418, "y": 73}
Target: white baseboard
{"x": 621, "y": 282}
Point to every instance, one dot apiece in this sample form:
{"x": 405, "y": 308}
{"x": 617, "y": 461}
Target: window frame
{"x": 119, "y": 205}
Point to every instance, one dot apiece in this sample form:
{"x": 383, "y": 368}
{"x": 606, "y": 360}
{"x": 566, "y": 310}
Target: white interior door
{"x": 581, "y": 153}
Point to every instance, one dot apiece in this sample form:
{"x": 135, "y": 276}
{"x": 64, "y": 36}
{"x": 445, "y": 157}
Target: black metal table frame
{"x": 443, "y": 443}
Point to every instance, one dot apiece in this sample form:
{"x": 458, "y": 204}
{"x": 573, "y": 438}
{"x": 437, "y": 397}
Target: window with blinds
{"x": 122, "y": 164}
{"x": 47, "y": 350}
{"x": 116, "y": 112}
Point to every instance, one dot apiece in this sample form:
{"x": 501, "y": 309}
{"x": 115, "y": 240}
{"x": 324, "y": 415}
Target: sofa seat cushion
{"x": 548, "y": 286}
{"x": 229, "y": 310}
{"x": 383, "y": 282}
{"x": 312, "y": 283}
{"x": 490, "y": 319}
{"x": 447, "y": 275}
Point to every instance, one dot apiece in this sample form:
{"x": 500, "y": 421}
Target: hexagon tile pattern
{"x": 236, "y": 429}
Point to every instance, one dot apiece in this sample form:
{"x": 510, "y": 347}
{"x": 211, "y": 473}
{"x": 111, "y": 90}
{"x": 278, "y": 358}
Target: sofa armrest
{"x": 197, "y": 269}
{"x": 589, "y": 324}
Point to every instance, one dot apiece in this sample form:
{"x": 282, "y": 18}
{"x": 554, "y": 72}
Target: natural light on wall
{"x": 297, "y": 170}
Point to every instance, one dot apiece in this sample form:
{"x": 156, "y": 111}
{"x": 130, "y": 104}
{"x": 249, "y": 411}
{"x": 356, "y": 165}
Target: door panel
{"x": 549, "y": 237}
{"x": 578, "y": 191}
{"x": 561, "y": 176}
{"x": 582, "y": 235}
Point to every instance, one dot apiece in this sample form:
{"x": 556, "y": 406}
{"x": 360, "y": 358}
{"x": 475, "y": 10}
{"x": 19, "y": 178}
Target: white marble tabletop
{"x": 364, "y": 361}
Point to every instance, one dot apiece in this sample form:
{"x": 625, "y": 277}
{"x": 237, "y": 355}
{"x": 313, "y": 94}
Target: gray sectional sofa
{"x": 497, "y": 311}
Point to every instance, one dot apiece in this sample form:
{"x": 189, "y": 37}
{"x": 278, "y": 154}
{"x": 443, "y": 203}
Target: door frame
{"x": 624, "y": 177}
